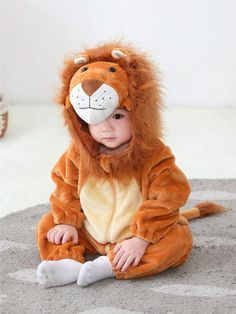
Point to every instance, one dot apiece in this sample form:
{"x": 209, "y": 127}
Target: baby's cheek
{"x": 94, "y": 132}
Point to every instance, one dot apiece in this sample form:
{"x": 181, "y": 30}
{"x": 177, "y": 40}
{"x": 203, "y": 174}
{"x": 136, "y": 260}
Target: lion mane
{"x": 144, "y": 103}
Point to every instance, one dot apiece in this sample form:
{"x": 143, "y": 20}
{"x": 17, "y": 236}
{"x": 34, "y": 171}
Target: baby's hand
{"x": 61, "y": 234}
{"x": 129, "y": 252}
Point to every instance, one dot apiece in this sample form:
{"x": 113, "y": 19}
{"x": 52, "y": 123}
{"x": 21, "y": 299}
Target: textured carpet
{"x": 205, "y": 284}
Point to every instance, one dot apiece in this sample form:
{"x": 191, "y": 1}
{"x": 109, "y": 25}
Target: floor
{"x": 203, "y": 140}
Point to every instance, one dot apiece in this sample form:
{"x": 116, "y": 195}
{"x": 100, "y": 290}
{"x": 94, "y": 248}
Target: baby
{"x": 118, "y": 190}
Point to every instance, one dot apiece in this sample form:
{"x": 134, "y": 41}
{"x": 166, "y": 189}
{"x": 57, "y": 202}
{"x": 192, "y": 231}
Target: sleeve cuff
{"x": 75, "y": 220}
{"x": 152, "y": 237}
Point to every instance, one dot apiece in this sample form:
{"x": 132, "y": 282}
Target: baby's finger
{"x": 136, "y": 261}
{"x": 66, "y": 238}
{"x": 52, "y": 236}
{"x": 117, "y": 247}
{"x": 58, "y": 237}
{"x": 122, "y": 261}
{"x": 49, "y": 234}
{"x": 75, "y": 237}
{"x": 117, "y": 257}
{"x": 127, "y": 263}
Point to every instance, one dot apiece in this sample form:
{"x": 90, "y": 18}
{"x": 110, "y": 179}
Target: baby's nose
{"x": 90, "y": 86}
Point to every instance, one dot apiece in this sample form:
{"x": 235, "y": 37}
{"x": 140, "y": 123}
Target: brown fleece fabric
{"x": 164, "y": 188}
{"x": 170, "y": 251}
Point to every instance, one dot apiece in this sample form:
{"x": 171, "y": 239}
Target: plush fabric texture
{"x": 162, "y": 185}
{"x": 110, "y": 209}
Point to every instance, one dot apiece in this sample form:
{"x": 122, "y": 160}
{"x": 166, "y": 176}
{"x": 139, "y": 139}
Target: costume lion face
{"x": 97, "y": 89}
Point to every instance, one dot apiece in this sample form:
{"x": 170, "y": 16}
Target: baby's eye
{"x": 118, "y": 116}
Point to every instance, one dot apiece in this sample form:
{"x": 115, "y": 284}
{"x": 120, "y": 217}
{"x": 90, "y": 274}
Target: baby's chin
{"x": 114, "y": 149}
{"x": 110, "y": 143}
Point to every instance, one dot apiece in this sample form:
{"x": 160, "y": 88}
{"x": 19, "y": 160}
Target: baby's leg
{"x": 171, "y": 251}
{"x": 50, "y": 251}
{"x": 58, "y": 273}
{"x": 60, "y": 263}
{"x": 94, "y": 271}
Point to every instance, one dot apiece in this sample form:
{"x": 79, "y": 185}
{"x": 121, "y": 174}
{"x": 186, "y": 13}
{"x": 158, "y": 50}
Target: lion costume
{"x": 112, "y": 197}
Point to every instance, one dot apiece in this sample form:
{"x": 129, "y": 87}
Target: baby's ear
{"x": 81, "y": 58}
{"x": 120, "y": 53}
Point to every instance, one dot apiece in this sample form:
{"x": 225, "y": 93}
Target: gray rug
{"x": 205, "y": 284}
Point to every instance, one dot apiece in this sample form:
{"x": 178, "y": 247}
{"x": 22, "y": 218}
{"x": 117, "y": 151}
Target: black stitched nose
{"x": 90, "y": 86}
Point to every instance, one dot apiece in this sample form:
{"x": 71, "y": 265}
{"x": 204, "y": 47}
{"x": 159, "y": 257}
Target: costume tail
{"x": 203, "y": 209}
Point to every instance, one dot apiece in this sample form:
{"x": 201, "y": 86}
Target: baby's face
{"x": 114, "y": 131}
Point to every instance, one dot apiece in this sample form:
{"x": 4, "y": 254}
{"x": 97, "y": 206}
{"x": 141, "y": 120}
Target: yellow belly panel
{"x": 109, "y": 208}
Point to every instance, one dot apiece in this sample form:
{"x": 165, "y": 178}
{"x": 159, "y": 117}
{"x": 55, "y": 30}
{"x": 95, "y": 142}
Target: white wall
{"x": 193, "y": 42}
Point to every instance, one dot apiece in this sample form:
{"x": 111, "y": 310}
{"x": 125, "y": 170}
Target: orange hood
{"x": 134, "y": 84}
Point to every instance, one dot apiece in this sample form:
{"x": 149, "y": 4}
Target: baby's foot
{"x": 58, "y": 273}
{"x": 94, "y": 271}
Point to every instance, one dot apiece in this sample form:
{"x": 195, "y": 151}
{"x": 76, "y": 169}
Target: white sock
{"x": 58, "y": 273}
{"x": 94, "y": 271}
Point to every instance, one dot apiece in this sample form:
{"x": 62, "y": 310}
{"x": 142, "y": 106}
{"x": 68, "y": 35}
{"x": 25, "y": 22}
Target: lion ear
{"x": 119, "y": 53}
{"x": 128, "y": 104}
{"x": 81, "y": 59}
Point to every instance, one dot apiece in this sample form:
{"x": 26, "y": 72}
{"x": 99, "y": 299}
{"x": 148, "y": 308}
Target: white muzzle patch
{"x": 96, "y": 108}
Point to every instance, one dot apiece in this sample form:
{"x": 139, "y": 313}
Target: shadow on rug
{"x": 205, "y": 284}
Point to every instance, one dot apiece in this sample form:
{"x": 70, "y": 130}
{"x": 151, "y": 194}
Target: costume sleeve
{"x": 168, "y": 190}
{"x": 65, "y": 203}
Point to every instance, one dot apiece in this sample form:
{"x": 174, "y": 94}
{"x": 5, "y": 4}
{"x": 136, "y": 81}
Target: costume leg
{"x": 61, "y": 263}
{"x": 171, "y": 251}
{"x": 52, "y": 252}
